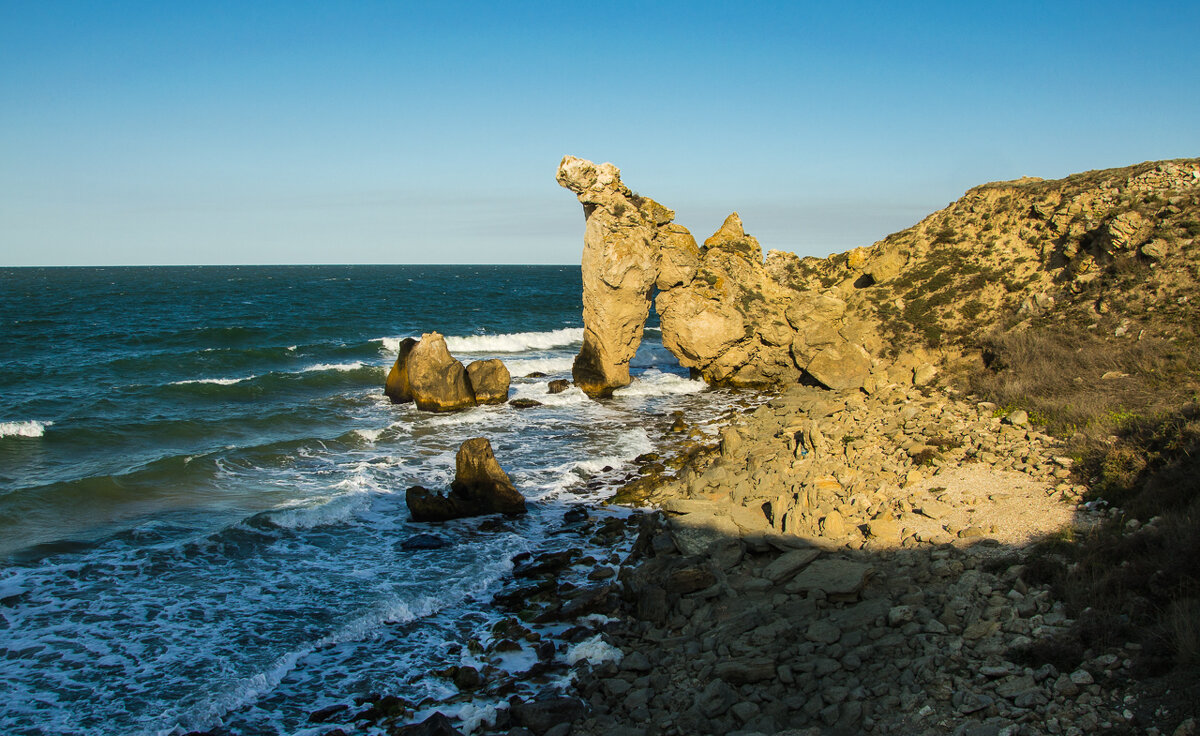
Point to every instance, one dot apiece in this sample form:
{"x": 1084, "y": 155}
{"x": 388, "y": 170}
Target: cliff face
{"x": 1115, "y": 250}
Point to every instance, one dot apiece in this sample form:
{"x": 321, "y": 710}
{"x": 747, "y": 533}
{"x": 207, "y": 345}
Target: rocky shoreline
{"x": 912, "y": 613}
{"x": 864, "y": 551}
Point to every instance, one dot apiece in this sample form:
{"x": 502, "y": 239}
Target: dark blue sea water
{"x": 202, "y": 485}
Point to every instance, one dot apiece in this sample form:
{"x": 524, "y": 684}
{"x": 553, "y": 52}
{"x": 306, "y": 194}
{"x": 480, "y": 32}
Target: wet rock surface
{"x": 480, "y": 487}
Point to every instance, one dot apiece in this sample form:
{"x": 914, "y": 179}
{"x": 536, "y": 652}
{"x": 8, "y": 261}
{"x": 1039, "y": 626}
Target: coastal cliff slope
{"x": 1113, "y": 251}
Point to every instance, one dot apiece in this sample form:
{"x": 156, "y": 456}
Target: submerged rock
{"x": 424, "y": 541}
{"x": 480, "y": 487}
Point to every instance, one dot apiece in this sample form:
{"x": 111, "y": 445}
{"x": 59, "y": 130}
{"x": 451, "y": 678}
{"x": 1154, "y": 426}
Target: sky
{"x": 391, "y": 132}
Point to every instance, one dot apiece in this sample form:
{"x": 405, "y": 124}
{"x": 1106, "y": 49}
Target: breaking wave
{"x": 515, "y": 342}
{"x": 23, "y": 429}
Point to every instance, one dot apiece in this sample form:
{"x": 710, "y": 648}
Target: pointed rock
{"x": 437, "y": 381}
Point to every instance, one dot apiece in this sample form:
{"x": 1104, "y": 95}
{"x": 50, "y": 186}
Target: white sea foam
{"x": 335, "y": 367}
{"x": 217, "y": 381}
{"x": 524, "y": 366}
{"x": 515, "y": 342}
{"x": 657, "y": 383}
{"x": 595, "y": 651}
{"x": 471, "y": 716}
{"x": 331, "y": 511}
{"x": 540, "y": 392}
{"x": 370, "y": 435}
{"x": 23, "y": 429}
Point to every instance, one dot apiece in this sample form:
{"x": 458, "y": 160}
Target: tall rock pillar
{"x": 620, "y": 266}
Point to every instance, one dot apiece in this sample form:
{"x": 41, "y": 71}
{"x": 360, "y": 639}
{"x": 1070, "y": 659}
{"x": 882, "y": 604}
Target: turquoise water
{"x": 201, "y": 483}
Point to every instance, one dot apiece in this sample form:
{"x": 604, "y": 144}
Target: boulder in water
{"x": 480, "y": 487}
{"x": 435, "y": 725}
{"x": 397, "y": 388}
{"x": 559, "y": 385}
{"x": 489, "y": 380}
{"x": 436, "y": 380}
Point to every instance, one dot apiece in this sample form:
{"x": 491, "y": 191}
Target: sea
{"x": 202, "y": 486}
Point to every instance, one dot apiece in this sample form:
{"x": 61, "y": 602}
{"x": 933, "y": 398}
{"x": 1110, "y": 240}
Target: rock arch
{"x": 721, "y": 312}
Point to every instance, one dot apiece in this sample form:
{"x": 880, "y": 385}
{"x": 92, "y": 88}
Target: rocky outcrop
{"x": 1113, "y": 248}
{"x": 723, "y": 311}
{"x": 398, "y": 388}
{"x": 426, "y": 373}
{"x": 480, "y": 487}
{"x": 620, "y": 254}
{"x": 489, "y": 381}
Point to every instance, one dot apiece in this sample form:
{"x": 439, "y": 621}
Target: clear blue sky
{"x": 390, "y": 132}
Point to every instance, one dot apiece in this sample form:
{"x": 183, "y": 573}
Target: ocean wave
{"x": 336, "y": 510}
{"x": 515, "y": 342}
{"x": 524, "y": 366}
{"x": 23, "y": 429}
{"x": 336, "y": 367}
{"x": 370, "y": 435}
{"x": 357, "y": 365}
{"x": 214, "y": 381}
{"x": 657, "y": 383}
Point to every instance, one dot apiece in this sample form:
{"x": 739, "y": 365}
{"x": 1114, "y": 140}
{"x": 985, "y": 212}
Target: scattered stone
{"x": 832, "y": 577}
{"x": 435, "y": 725}
{"x": 542, "y": 715}
{"x": 788, "y": 564}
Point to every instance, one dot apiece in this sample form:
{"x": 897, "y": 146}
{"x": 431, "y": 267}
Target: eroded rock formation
{"x": 426, "y": 373}
{"x": 724, "y": 313}
{"x": 620, "y": 255}
{"x": 1115, "y": 249}
{"x": 489, "y": 381}
{"x": 480, "y": 487}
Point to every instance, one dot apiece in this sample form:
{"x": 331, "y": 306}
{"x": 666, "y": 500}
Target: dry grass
{"x": 1058, "y": 376}
{"x": 1136, "y": 440}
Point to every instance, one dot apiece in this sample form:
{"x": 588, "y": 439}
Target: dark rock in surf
{"x": 575, "y": 514}
{"x": 559, "y": 385}
{"x": 524, "y": 403}
{"x": 325, "y": 715}
{"x": 489, "y": 381}
{"x": 424, "y": 541}
{"x": 480, "y": 487}
{"x": 435, "y": 725}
